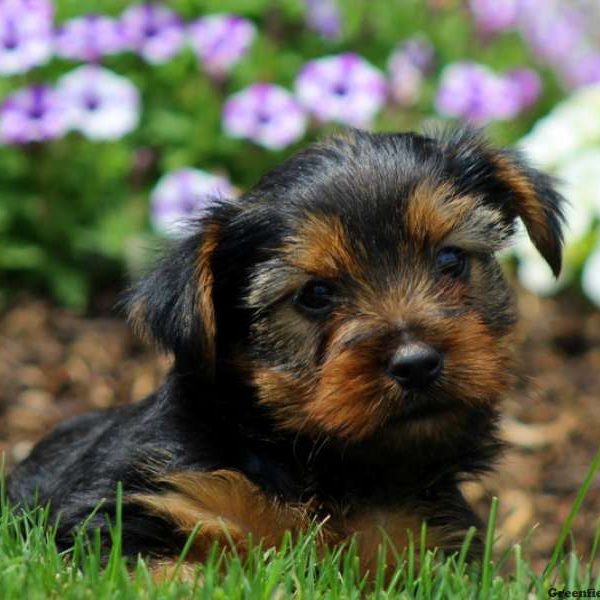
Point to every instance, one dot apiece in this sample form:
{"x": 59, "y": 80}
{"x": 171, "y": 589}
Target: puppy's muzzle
{"x": 415, "y": 365}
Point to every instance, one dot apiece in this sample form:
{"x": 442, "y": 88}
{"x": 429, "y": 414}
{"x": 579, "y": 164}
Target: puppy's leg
{"x": 225, "y": 507}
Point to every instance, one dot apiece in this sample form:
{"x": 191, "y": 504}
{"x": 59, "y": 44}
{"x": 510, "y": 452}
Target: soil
{"x": 55, "y": 364}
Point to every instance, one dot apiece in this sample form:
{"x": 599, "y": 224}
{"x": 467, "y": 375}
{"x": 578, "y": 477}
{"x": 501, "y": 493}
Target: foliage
{"x": 74, "y": 210}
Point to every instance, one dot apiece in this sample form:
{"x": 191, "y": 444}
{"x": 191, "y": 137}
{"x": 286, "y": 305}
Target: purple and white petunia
{"x": 153, "y": 30}
{"x": 25, "y": 35}
{"x": 265, "y": 113}
{"x": 89, "y": 38}
{"x": 183, "y": 195}
{"x": 493, "y": 16}
{"x": 343, "y": 88}
{"x": 323, "y": 16}
{"x": 220, "y": 41}
{"x": 34, "y": 114}
{"x": 99, "y": 103}
{"x": 475, "y": 93}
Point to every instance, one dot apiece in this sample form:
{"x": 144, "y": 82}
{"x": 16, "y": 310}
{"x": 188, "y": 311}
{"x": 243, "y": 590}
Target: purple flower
{"x": 421, "y": 53}
{"x": 553, "y": 34}
{"x": 220, "y": 41}
{"x": 33, "y": 114}
{"x": 25, "y": 35}
{"x": 493, "y": 16}
{"x": 323, "y": 16}
{"x": 475, "y": 93}
{"x": 582, "y": 69}
{"x": 99, "y": 103}
{"x": 406, "y": 81}
{"x": 527, "y": 84}
{"x": 154, "y": 31}
{"x": 343, "y": 88}
{"x": 182, "y": 195}
{"x": 89, "y": 38}
{"x": 265, "y": 113}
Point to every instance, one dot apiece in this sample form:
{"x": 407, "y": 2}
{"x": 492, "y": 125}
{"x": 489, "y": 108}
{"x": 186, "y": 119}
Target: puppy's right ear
{"x": 174, "y": 307}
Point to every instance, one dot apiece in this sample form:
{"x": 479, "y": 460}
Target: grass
{"x": 31, "y": 567}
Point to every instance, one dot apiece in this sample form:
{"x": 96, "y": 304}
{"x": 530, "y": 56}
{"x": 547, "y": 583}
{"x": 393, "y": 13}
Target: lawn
{"x": 31, "y": 567}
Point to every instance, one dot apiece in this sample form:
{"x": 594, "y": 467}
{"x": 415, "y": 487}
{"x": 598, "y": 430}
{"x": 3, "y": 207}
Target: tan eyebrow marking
{"x": 321, "y": 247}
{"x": 435, "y": 214}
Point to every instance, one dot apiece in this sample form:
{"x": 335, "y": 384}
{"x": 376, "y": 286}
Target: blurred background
{"x": 119, "y": 119}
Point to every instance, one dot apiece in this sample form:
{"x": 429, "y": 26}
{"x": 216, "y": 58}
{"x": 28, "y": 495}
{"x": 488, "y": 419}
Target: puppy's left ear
{"x": 518, "y": 189}
{"x": 173, "y": 305}
{"x": 536, "y": 202}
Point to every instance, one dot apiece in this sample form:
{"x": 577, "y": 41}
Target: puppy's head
{"x": 356, "y": 288}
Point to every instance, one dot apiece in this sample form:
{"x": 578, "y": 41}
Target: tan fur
{"x": 529, "y": 206}
{"x": 205, "y": 280}
{"x": 433, "y": 211}
{"x": 321, "y": 248}
{"x": 376, "y": 528}
{"x": 227, "y": 507}
{"x": 230, "y": 510}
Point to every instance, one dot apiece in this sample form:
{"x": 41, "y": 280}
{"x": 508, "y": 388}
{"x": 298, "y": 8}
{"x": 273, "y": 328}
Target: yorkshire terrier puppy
{"x": 341, "y": 342}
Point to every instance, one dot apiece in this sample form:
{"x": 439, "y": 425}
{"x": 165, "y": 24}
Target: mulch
{"x": 55, "y": 364}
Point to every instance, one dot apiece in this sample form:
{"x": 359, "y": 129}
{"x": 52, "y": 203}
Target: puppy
{"x": 341, "y": 343}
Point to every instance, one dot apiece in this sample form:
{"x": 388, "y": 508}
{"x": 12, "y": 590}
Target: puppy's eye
{"x": 452, "y": 261}
{"x": 315, "y": 297}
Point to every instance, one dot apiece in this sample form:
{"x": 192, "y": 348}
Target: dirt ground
{"x": 54, "y": 364}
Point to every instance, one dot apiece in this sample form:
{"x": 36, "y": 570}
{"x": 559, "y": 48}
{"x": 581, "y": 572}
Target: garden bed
{"x": 55, "y": 364}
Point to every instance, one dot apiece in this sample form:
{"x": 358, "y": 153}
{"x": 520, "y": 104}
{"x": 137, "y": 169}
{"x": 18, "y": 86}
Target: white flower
{"x": 572, "y": 126}
{"x": 550, "y": 141}
{"x": 100, "y": 103}
{"x": 590, "y": 279}
{"x": 535, "y": 274}
{"x": 581, "y": 185}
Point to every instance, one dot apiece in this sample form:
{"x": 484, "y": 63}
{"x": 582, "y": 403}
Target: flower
{"x": 590, "y": 278}
{"x": 220, "y": 41}
{"x": 343, "y": 88}
{"x": 323, "y": 16}
{"x": 474, "y": 92}
{"x": 527, "y": 85}
{"x": 25, "y": 35}
{"x": 265, "y": 113}
{"x": 570, "y": 127}
{"x": 33, "y": 114}
{"x": 153, "y": 30}
{"x": 184, "y": 194}
{"x": 421, "y": 53}
{"x": 567, "y": 143}
{"x": 553, "y": 32}
{"x": 493, "y": 16}
{"x": 99, "y": 103}
{"x": 582, "y": 69}
{"x": 89, "y": 38}
{"x": 406, "y": 80}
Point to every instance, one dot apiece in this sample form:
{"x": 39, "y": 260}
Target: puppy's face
{"x": 401, "y": 323}
{"x": 366, "y": 271}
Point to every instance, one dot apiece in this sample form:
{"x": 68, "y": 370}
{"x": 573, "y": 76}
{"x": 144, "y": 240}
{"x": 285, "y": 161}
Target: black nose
{"x": 415, "y": 365}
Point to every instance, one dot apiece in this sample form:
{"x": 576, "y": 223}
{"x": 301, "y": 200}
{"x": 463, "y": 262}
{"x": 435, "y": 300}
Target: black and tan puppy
{"x": 341, "y": 341}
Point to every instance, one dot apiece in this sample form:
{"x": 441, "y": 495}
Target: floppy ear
{"x": 173, "y": 306}
{"x": 519, "y": 189}
{"x": 537, "y": 203}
